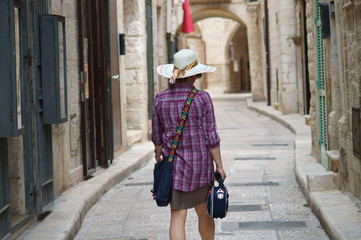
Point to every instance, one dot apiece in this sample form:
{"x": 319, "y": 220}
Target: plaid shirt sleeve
{"x": 157, "y": 128}
{"x": 209, "y": 124}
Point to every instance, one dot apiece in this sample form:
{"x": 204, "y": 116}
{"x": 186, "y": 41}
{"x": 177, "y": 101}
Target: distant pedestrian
{"x": 199, "y": 146}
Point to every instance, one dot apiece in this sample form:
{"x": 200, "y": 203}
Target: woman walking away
{"x": 199, "y": 146}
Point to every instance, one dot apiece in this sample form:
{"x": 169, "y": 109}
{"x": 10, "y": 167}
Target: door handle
{"x": 115, "y": 76}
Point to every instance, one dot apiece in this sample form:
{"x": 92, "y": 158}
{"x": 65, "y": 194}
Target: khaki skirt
{"x": 186, "y": 200}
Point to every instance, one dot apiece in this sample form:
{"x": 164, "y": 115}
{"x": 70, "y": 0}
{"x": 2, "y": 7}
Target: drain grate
{"x": 262, "y": 225}
{"x": 255, "y": 158}
{"x": 248, "y": 208}
{"x": 253, "y": 184}
{"x": 269, "y": 144}
{"x": 221, "y": 129}
{"x": 138, "y": 184}
{"x": 132, "y": 238}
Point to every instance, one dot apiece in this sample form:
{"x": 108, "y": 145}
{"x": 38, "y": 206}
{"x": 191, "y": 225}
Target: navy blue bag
{"x": 217, "y": 199}
{"x": 163, "y": 170}
{"x": 162, "y": 188}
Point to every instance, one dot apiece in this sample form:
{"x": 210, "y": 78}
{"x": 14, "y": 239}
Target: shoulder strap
{"x": 181, "y": 123}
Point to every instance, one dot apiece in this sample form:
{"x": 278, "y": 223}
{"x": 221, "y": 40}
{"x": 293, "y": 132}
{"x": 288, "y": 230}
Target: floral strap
{"x": 181, "y": 123}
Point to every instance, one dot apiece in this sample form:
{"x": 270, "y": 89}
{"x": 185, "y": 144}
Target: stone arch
{"x": 227, "y": 78}
{"x": 210, "y": 12}
{"x": 243, "y": 13}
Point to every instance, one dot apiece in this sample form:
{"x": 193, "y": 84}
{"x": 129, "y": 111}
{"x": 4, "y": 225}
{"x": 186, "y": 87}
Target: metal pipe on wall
{"x": 268, "y": 58}
{"x": 295, "y": 35}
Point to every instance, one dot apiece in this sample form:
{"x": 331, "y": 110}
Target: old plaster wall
{"x": 67, "y": 162}
{"x": 16, "y": 175}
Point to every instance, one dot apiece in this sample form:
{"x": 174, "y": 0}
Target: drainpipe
{"x": 268, "y": 59}
{"x": 295, "y": 35}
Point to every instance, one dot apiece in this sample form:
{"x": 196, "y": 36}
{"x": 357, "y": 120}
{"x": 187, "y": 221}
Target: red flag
{"x": 187, "y": 26}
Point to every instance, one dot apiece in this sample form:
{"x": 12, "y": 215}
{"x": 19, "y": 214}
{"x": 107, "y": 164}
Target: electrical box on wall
{"x": 121, "y": 44}
{"x": 53, "y": 69}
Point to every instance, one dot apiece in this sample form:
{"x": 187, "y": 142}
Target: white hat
{"x": 185, "y": 65}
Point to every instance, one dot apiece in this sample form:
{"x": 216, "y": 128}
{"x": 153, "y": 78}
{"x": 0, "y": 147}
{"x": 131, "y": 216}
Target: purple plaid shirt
{"x": 193, "y": 163}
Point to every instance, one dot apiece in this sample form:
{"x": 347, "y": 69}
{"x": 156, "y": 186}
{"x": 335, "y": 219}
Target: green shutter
{"x": 321, "y": 88}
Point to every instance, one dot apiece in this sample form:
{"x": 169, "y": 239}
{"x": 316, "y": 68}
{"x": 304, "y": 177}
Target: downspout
{"x": 268, "y": 59}
{"x": 295, "y": 35}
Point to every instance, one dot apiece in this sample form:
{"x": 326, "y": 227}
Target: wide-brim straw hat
{"x": 185, "y": 65}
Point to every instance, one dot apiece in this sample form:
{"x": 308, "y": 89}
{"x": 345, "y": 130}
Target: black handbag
{"x": 217, "y": 199}
{"x": 163, "y": 170}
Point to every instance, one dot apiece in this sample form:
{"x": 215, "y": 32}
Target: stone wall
{"x": 350, "y": 49}
{"x": 312, "y": 70}
{"x": 136, "y": 60}
{"x": 135, "y": 64}
{"x": 343, "y": 74}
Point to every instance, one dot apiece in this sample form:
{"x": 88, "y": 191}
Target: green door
{"x": 150, "y": 70}
{"x": 321, "y": 89}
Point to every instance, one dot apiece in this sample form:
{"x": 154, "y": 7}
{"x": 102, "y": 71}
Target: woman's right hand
{"x": 158, "y": 157}
{"x": 222, "y": 173}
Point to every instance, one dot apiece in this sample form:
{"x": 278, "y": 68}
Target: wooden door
{"x": 87, "y": 90}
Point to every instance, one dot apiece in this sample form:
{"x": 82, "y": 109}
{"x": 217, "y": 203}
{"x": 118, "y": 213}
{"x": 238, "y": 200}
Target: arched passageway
{"x": 220, "y": 40}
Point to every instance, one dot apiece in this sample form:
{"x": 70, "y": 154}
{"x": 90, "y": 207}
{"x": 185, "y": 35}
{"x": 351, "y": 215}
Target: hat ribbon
{"x": 177, "y": 72}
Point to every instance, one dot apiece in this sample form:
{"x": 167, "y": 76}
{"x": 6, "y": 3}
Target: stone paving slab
{"x": 259, "y": 210}
{"x": 71, "y": 207}
{"x": 339, "y": 215}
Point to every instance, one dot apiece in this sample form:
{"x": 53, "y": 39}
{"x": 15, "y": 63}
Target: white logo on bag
{"x": 220, "y": 194}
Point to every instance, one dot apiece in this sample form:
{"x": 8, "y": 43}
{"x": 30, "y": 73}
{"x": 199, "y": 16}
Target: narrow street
{"x": 265, "y": 200}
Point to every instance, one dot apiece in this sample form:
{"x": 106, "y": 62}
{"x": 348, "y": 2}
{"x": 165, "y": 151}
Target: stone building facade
{"x": 341, "y": 69}
{"x": 106, "y": 98}
{"x": 239, "y": 15}
{"x": 304, "y": 57}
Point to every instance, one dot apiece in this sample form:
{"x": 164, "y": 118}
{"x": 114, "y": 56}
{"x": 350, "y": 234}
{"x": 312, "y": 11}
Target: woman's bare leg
{"x": 177, "y": 224}
{"x": 205, "y": 222}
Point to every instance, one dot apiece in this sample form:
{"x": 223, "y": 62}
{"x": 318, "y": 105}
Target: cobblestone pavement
{"x": 265, "y": 200}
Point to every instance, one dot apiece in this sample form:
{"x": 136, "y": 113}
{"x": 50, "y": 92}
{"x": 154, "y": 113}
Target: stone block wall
{"x": 136, "y": 65}
{"x": 350, "y": 48}
{"x": 312, "y": 70}
{"x": 343, "y": 74}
